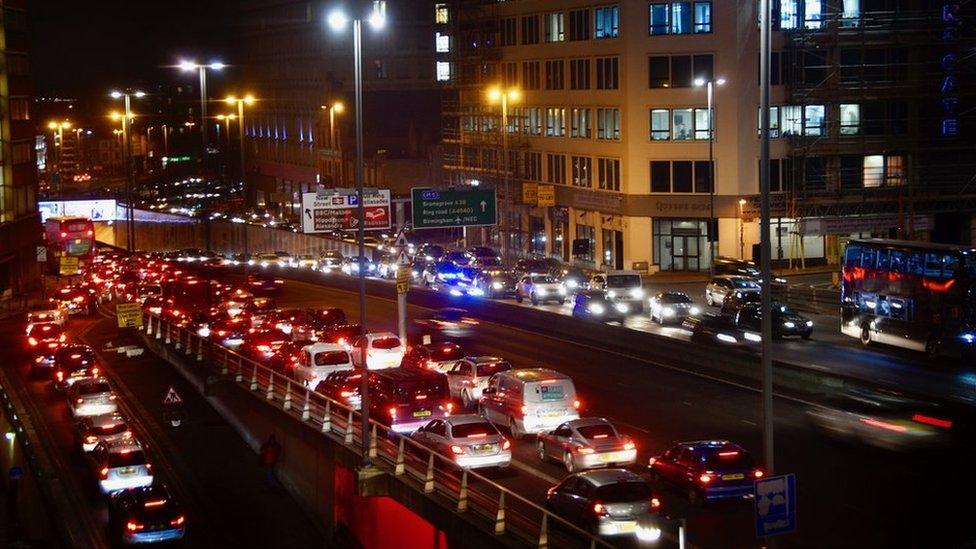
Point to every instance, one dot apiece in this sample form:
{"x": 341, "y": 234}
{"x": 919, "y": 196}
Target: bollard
{"x": 349, "y": 428}
{"x": 400, "y": 461}
{"x": 372, "y": 442}
{"x": 254, "y": 377}
{"x": 327, "y": 417}
{"x": 306, "y": 409}
{"x": 500, "y": 516}
{"x": 168, "y": 330}
{"x": 429, "y": 483}
{"x": 270, "y": 394}
{"x": 178, "y": 338}
{"x": 544, "y": 532}
{"x": 200, "y": 349}
{"x": 239, "y": 377}
{"x": 287, "y": 404}
{"x": 149, "y": 326}
{"x": 681, "y": 533}
{"x": 189, "y": 343}
{"x": 463, "y": 493}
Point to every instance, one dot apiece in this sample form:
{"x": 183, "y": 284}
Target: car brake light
{"x": 80, "y": 401}
{"x": 599, "y": 508}
{"x": 450, "y": 407}
{"x": 279, "y": 281}
{"x": 346, "y": 394}
{"x": 420, "y": 397}
{"x": 32, "y": 341}
{"x": 94, "y": 372}
{"x": 705, "y": 478}
{"x": 629, "y": 446}
{"x": 264, "y": 348}
{"x": 655, "y": 504}
{"x": 112, "y": 397}
{"x": 457, "y": 449}
{"x": 341, "y": 341}
{"x": 154, "y": 503}
{"x": 104, "y": 473}
{"x": 60, "y": 375}
{"x": 758, "y": 473}
{"x": 393, "y": 412}
{"x": 576, "y": 404}
{"x": 933, "y": 421}
{"x": 525, "y": 409}
{"x": 64, "y": 234}
{"x": 584, "y": 450}
{"x": 91, "y": 439}
{"x": 728, "y": 454}
{"x": 506, "y": 445}
{"x": 62, "y": 338}
{"x": 178, "y": 521}
{"x": 133, "y": 526}
{"x": 148, "y": 466}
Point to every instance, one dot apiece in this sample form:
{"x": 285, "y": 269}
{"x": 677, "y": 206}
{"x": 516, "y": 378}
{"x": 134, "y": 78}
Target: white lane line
{"x": 534, "y": 472}
{"x": 625, "y": 424}
{"x": 747, "y": 422}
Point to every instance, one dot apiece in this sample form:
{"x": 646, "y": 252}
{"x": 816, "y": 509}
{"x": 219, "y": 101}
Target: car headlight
{"x": 694, "y": 311}
{"x": 621, "y": 307}
{"x": 572, "y": 284}
{"x": 809, "y": 324}
{"x": 611, "y": 294}
{"x": 497, "y": 285}
{"x": 789, "y": 324}
{"x": 415, "y": 274}
{"x": 726, "y": 338}
{"x": 455, "y": 292}
{"x": 753, "y": 337}
{"x": 204, "y": 331}
{"x": 779, "y": 280}
{"x": 595, "y": 308}
{"x": 637, "y": 293}
{"x": 540, "y": 291}
{"x": 667, "y": 311}
{"x": 476, "y": 292}
{"x": 562, "y": 290}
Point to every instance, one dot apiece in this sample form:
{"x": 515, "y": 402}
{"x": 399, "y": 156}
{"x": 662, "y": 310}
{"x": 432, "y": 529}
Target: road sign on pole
{"x": 339, "y": 212}
{"x": 775, "y": 505}
{"x": 129, "y": 315}
{"x": 68, "y": 266}
{"x": 172, "y": 397}
{"x": 434, "y": 208}
{"x": 42, "y": 253}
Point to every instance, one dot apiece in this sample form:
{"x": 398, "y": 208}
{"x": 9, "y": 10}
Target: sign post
{"x": 402, "y": 284}
{"x": 339, "y": 212}
{"x": 68, "y": 266}
{"x": 436, "y": 208}
{"x": 129, "y": 315}
{"x": 775, "y": 505}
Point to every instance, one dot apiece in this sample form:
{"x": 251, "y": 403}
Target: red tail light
{"x": 420, "y": 397}
{"x": 32, "y": 341}
{"x": 80, "y": 401}
{"x": 457, "y": 449}
{"x": 599, "y": 508}
{"x": 91, "y": 439}
{"x": 347, "y": 394}
{"x": 525, "y": 409}
{"x": 103, "y": 473}
{"x": 62, "y": 338}
{"x": 758, "y": 473}
{"x": 705, "y": 478}
{"x": 585, "y": 450}
{"x": 655, "y": 504}
{"x": 393, "y": 412}
{"x": 933, "y": 421}
{"x": 133, "y": 526}
{"x": 576, "y": 404}
{"x": 629, "y": 446}
{"x": 506, "y": 445}
{"x": 60, "y": 375}
{"x": 264, "y": 348}
{"x": 154, "y": 503}
{"x": 178, "y": 521}
{"x": 64, "y": 234}
{"x": 651, "y": 462}
{"x": 94, "y": 372}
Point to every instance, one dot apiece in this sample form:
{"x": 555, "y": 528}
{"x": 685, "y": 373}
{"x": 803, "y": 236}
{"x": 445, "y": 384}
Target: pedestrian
{"x": 269, "y": 455}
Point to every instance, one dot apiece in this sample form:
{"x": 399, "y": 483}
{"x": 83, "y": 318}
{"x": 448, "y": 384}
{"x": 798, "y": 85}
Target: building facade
{"x": 20, "y": 229}
{"x": 604, "y": 157}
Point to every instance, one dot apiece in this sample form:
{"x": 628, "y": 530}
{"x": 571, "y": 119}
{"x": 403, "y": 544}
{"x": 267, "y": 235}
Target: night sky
{"x": 83, "y": 48}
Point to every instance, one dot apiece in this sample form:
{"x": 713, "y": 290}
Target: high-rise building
{"x": 20, "y": 229}
{"x": 300, "y": 132}
{"x": 604, "y": 157}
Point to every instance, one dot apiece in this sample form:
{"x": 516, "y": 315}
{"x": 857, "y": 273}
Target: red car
{"x": 44, "y": 340}
{"x": 435, "y": 356}
{"x": 261, "y": 345}
{"x": 265, "y": 284}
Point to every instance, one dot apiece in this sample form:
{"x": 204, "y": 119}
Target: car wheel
{"x": 709, "y": 299}
{"x": 541, "y": 447}
{"x": 865, "y": 334}
{"x": 518, "y": 297}
{"x": 535, "y": 300}
{"x": 513, "y": 428}
{"x": 562, "y": 301}
{"x": 569, "y": 463}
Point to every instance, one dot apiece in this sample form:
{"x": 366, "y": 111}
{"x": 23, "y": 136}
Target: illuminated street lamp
{"x": 127, "y": 118}
{"x": 188, "y": 66}
{"x": 337, "y": 107}
{"x": 240, "y": 102}
{"x": 496, "y": 95}
{"x": 226, "y": 118}
{"x": 709, "y": 86}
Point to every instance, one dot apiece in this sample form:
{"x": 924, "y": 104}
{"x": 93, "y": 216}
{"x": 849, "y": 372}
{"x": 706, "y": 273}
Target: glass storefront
{"x": 680, "y": 244}
{"x": 587, "y": 233}
{"x": 537, "y": 230}
{"x": 613, "y": 249}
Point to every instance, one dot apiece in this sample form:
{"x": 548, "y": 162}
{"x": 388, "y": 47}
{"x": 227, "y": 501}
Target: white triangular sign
{"x": 172, "y": 397}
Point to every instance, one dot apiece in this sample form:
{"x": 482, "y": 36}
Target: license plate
{"x": 612, "y": 456}
{"x": 626, "y": 527}
{"x": 550, "y": 415}
{"x": 737, "y": 476}
{"x": 127, "y": 471}
{"x": 484, "y": 447}
{"x": 421, "y": 413}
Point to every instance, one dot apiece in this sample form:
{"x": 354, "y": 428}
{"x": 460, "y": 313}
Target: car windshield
{"x": 126, "y": 458}
{"x": 94, "y": 388}
{"x": 626, "y": 491}
{"x": 673, "y": 299}
{"x": 724, "y": 459}
{"x": 331, "y": 358}
{"x": 385, "y": 343}
{"x": 112, "y": 428}
{"x": 408, "y": 391}
{"x": 492, "y": 368}
{"x": 623, "y": 281}
{"x": 600, "y": 431}
{"x": 465, "y": 430}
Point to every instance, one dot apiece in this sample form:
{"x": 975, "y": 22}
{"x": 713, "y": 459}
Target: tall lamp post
{"x": 709, "y": 87}
{"x": 240, "y": 102}
{"x": 765, "y": 31}
{"x": 126, "y": 97}
{"x": 226, "y": 118}
{"x": 338, "y": 21}
{"x": 504, "y": 97}
{"x": 189, "y": 66}
{"x": 336, "y": 107}
{"x": 57, "y": 129}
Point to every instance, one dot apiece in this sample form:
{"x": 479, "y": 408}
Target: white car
{"x": 540, "y": 288}
{"x": 622, "y": 287}
{"x": 91, "y": 396}
{"x": 383, "y": 350}
{"x": 319, "y": 360}
{"x": 330, "y": 259}
{"x": 265, "y": 259}
{"x": 469, "y": 377}
{"x": 721, "y": 287}
{"x": 120, "y": 465}
{"x": 92, "y": 430}
{"x": 469, "y": 439}
{"x": 52, "y": 314}
{"x": 305, "y": 261}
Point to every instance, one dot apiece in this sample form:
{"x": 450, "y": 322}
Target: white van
{"x": 622, "y": 286}
{"x": 530, "y": 400}
{"x": 321, "y": 359}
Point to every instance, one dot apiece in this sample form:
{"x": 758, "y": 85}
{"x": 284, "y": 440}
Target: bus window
{"x": 882, "y": 260}
{"x": 933, "y": 264}
{"x": 898, "y": 261}
{"x": 898, "y": 308}
{"x": 915, "y": 263}
{"x": 852, "y": 256}
{"x": 950, "y": 264}
{"x": 868, "y": 258}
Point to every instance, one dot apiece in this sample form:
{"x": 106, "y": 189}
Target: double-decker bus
{"x": 69, "y": 236}
{"x": 914, "y": 295}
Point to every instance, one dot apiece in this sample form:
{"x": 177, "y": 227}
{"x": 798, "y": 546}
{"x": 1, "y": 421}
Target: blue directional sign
{"x": 775, "y": 505}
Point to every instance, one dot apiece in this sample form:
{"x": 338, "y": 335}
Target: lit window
{"x": 580, "y": 123}
{"x": 660, "y": 124}
{"x": 441, "y": 13}
{"x": 659, "y": 19}
{"x": 555, "y": 27}
{"x": 894, "y": 171}
{"x": 555, "y": 122}
{"x": 442, "y": 42}
{"x": 873, "y": 170}
{"x": 788, "y": 14}
{"x": 813, "y": 14}
{"x": 850, "y": 119}
{"x": 682, "y": 124}
{"x": 608, "y": 124}
{"x": 701, "y": 124}
{"x": 680, "y": 18}
{"x": 607, "y": 22}
{"x": 813, "y": 120}
{"x": 792, "y": 120}
{"x": 443, "y": 69}
{"x": 703, "y": 17}
{"x": 851, "y": 16}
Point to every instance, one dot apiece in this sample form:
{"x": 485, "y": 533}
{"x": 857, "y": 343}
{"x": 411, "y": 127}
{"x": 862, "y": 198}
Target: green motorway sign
{"x": 434, "y": 208}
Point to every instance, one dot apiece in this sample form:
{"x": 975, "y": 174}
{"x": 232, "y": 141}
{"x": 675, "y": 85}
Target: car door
{"x": 489, "y": 399}
{"x": 437, "y": 436}
{"x": 686, "y": 468}
{"x": 556, "y": 441}
{"x": 579, "y": 502}
{"x": 564, "y": 493}
{"x": 456, "y": 377}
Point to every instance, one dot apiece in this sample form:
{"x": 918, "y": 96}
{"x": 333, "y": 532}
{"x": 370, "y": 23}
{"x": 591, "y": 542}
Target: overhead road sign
{"x": 322, "y": 212}
{"x": 435, "y": 208}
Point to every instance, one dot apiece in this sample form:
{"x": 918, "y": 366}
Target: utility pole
{"x": 765, "y": 245}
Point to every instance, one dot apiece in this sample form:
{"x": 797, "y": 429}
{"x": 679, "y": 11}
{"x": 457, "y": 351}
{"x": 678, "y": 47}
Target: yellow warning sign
{"x": 68, "y": 266}
{"x": 403, "y": 280}
{"x": 129, "y": 315}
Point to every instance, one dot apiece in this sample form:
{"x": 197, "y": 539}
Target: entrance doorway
{"x": 680, "y": 244}
{"x": 684, "y": 252}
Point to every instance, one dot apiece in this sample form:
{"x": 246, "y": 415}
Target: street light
{"x": 497, "y": 95}
{"x": 337, "y": 21}
{"x": 57, "y": 129}
{"x": 240, "y": 102}
{"x": 188, "y": 66}
{"x": 742, "y": 255}
{"x": 127, "y": 96}
{"x": 226, "y": 118}
{"x": 709, "y": 85}
{"x": 337, "y": 107}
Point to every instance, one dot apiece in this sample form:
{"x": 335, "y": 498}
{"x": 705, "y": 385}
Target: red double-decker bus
{"x": 69, "y": 236}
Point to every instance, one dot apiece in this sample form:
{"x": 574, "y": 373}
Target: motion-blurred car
{"x": 351, "y": 265}
{"x": 431, "y": 252}
{"x": 383, "y": 350}
{"x": 786, "y": 321}
{"x": 305, "y": 261}
{"x": 573, "y": 278}
{"x": 330, "y": 260}
{"x": 150, "y": 514}
{"x": 735, "y": 267}
{"x": 621, "y": 286}
{"x": 229, "y": 331}
{"x": 460, "y": 287}
{"x": 496, "y": 283}
{"x": 434, "y": 356}
{"x": 263, "y": 283}
{"x": 468, "y": 439}
{"x": 449, "y": 322}
{"x": 468, "y": 377}
{"x": 75, "y": 300}
{"x": 720, "y": 287}
{"x": 707, "y": 470}
{"x": 713, "y": 329}
{"x": 540, "y": 289}
{"x": 587, "y": 443}
{"x": 89, "y": 431}
{"x": 342, "y": 386}
{"x": 458, "y": 257}
{"x": 440, "y": 271}
{"x": 672, "y": 307}
{"x": 298, "y": 323}
{"x": 71, "y": 363}
{"x": 597, "y": 305}
{"x": 608, "y": 502}
{"x": 91, "y": 396}
{"x": 342, "y": 334}
{"x": 120, "y": 465}
{"x": 44, "y": 341}
{"x": 261, "y": 345}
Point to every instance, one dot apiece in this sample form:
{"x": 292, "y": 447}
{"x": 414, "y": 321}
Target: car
{"x": 153, "y": 305}
{"x": 324, "y": 317}
{"x": 318, "y": 360}
{"x": 540, "y": 289}
{"x": 482, "y": 263}
{"x": 200, "y": 321}
{"x": 573, "y": 278}
{"x": 431, "y": 252}
{"x": 468, "y": 439}
{"x": 229, "y": 331}
{"x": 75, "y": 300}
{"x": 146, "y": 290}
{"x": 496, "y": 283}
{"x": 460, "y": 287}
{"x": 449, "y": 322}
{"x": 458, "y": 257}
{"x": 478, "y": 252}
{"x": 342, "y": 334}
{"x": 672, "y": 307}
{"x": 285, "y": 359}
{"x": 529, "y": 400}
{"x": 434, "y": 356}
{"x": 528, "y": 266}
{"x": 305, "y": 261}
{"x": 264, "y": 283}
{"x": 417, "y": 268}
{"x": 597, "y": 305}
{"x": 707, "y": 470}
{"x": 342, "y": 386}
{"x": 406, "y": 399}
{"x": 383, "y": 350}
{"x": 720, "y": 287}
{"x": 72, "y": 362}
{"x": 351, "y": 265}
{"x": 737, "y": 267}
{"x": 256, "y": 309}
{"x": 786, "y": 321}
{"x": 44, "y": 340}
{"x": 150, "y": 514}
{"x": 261, "y": 345}
{"x": 45, "y": 313}
{"x": 721, "y": 330}
{"x": 739, "y": 299}
{"x": 298, "y": 323}
{"x": 386, "y": 265}
{"x": 622, "y": 286}
{"x": 92, "y": 396}
{"x": 586, "y": 443}
{"x": 91, "y": 430}
{"x": 330, "y": 260}
{"x": 607, "y": 502}
{"x": 265, "y": 259}
{"x": 468, "y": 377}
{"x": 440, "y": 271}
{"x": 120, "y": 465}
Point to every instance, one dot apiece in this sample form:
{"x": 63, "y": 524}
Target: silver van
{"x": 530, "y": 400}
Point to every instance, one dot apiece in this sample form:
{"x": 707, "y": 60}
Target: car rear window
{"x": 623, "y": 281}
{"x": 385, "y": 343}
{"x": 126, "y": 459}
{"x": 551, "y": 391}
{"x": 93, "y": 388}
{"x": 675, "y": 298}
{"x": 111, "y": 429}
{"x": 331, "y": 358}
{"x": 727, "y": 459}
{"x": 623, "y": 492}
{"x": 544, "y": 279}
{"x": 408, "y": 391}
{"x": 451, "y": 352}
{"x": 492, "y": 368}
{"x": 601, "y": 431}
{"x": 472, "y": 430}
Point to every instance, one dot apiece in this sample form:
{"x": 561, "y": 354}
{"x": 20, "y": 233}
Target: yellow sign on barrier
{"x": 68, "y": 266}
{"x": 129, "y": 315}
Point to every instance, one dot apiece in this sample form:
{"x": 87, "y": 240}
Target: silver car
{"x": 469, "y": 439}
{"x": 91, "y": 397}
{"x": 720, "y": 287}
{"x": 468, "y": 377}
{"x": 92, "y": 430}
{"x": 540, "y": 288}
{"x": 588, "y": 443}
{"x": 608, "y": 502}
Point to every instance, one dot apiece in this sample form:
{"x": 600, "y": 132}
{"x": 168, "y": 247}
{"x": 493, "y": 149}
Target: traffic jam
{"x": 474, "y": 410}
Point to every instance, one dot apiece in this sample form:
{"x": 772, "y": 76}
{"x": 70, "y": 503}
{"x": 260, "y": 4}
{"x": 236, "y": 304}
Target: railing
{"x": 497, "y": 508}
{"x": 809, "y": 298}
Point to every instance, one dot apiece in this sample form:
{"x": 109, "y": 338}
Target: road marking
{"x": 747, "y": 422}
{"x": 686, "y": 402}
{"x": 625, "y": 424}
{"x": 534, "y": 472}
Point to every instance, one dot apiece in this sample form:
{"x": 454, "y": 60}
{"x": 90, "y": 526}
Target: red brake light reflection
{"x": 883, "y": 425}
{"x": 933, "y": 421}
{"x": 728, "y": 454}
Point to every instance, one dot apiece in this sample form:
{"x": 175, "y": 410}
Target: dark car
{"x": 72, "y": 362}
{"x": 479, "y": 252}
{"x": 44, "y": 340}
{"x": 229, "y": 332}
{"x": 596, "y": 305}
{"x": 430, "y": 252}
{"x": 458, "y": 257}
{"x": 450, "y": 322}
{"x": 407, "y": 398}
{"x": 260, "y": 283}
{"x": 76, "y": 300}
{"x": 342, "y": 386}
{"x": 342, "y": 334}
{"x": 707, "y": 470}
{"x": 608, "y": 502}
{"x": 712, "y": 329}
{"x": 731, "y": 266}
{"x": 496, "y": 283}
{"x": 672, "y": 307}
{"x": 324, "y": 317}
{"x": 261, "y": 345}
{"x": 738, "y": 299}
{"x": 433, "y": 356}
{"x": 145, "y": 515}
{"x": 786, "y": 321}
{"x": 538, "y": 266}
{"x": 298, "y": 323}
{"x": 574, "y": 278}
